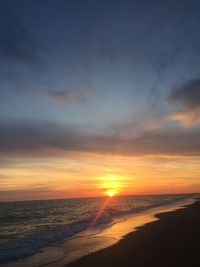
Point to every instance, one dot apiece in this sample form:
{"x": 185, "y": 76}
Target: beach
{"x": 62, "y": 231}
{"x": 172, "y": 240}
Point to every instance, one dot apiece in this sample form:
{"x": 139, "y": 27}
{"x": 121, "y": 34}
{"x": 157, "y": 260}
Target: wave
{"x": 29, "y": 245}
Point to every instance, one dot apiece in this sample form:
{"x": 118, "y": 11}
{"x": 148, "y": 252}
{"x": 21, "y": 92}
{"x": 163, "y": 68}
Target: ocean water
{"x": 29, "y": 227}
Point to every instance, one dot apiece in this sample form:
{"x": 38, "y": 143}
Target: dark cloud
{"x": 29, "y": 194}
{"x": 188, "y": 94}
{"x": 188, "y": 98}
{"x": 46, "y": 139}
{"x": 25, "y": 137}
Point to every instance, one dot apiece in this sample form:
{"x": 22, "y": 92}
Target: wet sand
{"x": 171, "y": 241}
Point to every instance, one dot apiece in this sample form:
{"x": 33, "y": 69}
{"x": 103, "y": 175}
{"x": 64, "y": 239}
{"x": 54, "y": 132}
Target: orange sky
{"x": 86, "y": 175}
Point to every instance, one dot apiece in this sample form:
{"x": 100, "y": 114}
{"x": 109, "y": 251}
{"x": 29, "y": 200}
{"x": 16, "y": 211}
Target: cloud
{"x": 30, "y": 194}
{"x": 51, "y": 139}
{"x": 188, "y": 98}
{"x": 164, "y": 61}
{"x": 68, "y": 96}
{"x": 27, "y": 137}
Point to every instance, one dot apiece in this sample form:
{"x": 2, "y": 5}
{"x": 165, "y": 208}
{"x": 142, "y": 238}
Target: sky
{"x": 99, "y": 96}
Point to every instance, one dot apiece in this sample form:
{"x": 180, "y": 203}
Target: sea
{"x": 40, "y": 233}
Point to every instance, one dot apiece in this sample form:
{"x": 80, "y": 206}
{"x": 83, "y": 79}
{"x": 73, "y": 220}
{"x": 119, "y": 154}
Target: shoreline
{"x": 172, "y": 239}
{"x": 113, "y": 234}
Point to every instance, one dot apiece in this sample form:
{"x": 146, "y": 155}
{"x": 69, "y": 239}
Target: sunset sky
{"x": 98, "y": 96}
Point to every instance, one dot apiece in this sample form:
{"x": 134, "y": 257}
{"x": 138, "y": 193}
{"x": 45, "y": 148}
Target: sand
{"x": 172, "y": 241}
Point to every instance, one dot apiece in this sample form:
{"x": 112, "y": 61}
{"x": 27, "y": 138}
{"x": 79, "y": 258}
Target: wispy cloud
{"x": 70, "y": 96}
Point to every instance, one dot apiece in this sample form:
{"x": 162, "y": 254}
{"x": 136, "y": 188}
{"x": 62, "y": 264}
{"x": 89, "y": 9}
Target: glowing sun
{"x": 110, "y": 193}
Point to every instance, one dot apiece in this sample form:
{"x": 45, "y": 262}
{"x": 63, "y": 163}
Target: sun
{"x": 110, "y": 193}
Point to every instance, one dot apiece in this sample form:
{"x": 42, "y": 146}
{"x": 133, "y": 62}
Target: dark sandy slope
{"x": 174, "y": 240}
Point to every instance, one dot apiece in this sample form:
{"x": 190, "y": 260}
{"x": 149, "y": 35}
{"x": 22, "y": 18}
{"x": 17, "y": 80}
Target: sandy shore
{"x": 174, "y": 240}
